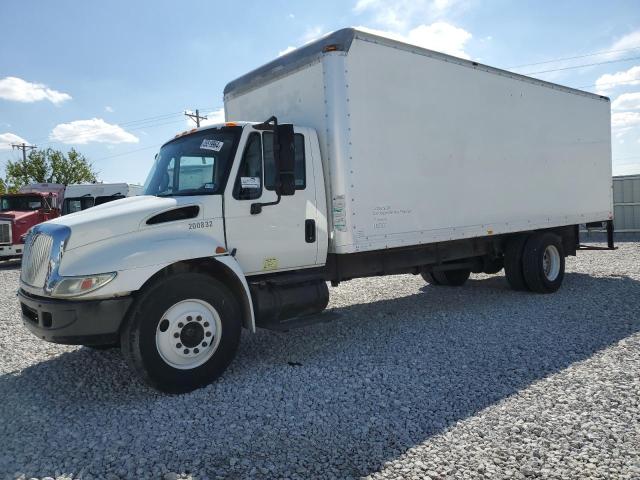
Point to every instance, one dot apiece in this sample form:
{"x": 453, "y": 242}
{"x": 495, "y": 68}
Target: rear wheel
{"x": 513, "y": 262}
{"x": 492, "y": 265}
{"x": 182, "y": 332}
{"x": 429, "y": 278}
{"x": 543, "y": 262}
{"x": 452, "y": 278}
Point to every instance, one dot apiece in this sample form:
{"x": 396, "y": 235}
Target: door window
{"x": 269, "y": 166}
{"x": 249, "y": 180}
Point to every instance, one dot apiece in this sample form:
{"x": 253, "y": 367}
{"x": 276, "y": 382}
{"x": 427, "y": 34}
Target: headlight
{"x": 73, "y": 286}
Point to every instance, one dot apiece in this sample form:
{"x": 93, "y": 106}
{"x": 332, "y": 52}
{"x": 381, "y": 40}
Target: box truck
{"x": 86, "y": 195}
{"x": 353, "y": 156}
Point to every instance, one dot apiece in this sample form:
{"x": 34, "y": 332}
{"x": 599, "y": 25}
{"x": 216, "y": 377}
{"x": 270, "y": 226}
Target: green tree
{"x": 50, "y": 166}
{"x": 3, "y": 187}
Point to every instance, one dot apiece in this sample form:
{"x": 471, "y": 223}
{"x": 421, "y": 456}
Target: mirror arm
{"x": 256, "y": 208}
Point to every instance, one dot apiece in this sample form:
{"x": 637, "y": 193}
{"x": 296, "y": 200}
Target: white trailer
{"x": 419, "y": 146}
{"x": 81, "y": 196}
{"x": 373, "y": 157}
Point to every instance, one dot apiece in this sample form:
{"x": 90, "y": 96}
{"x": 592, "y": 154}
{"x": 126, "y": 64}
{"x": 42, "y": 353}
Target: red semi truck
{"x": 32, "y": 205}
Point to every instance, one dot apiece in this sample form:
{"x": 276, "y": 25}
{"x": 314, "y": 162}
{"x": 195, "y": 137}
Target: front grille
{"x": 36, "y": 259}
{"x": 5, "y": 233}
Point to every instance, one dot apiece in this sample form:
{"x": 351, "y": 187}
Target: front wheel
{"x": 182, "y": 332}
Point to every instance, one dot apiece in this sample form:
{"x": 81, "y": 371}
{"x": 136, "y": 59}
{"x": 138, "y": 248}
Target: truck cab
{"x": 222, "y": 208}
{"x": 21, "y": 211}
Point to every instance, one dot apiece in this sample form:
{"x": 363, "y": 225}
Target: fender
{"x": 232, "y": 264}
{"x": 136, "y": 258}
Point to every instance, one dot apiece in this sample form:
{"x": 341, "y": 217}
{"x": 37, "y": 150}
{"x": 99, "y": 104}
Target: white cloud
{"x": 19, "y": 90}
{"x": 109, "y": 109}
{"x": 609, "y": 81}
{"x": 95, "y": 130}
{"x": 630, "y": 40}
{"x": 286, "y": 50}
{"x": 6, "y": 139}
{"x": 400, "y": 15}
{"x": 312, "y": 33}
{"x": 440, "y": 36}
{"x": 624, "y": 120}
{"x": 627, "y": 101}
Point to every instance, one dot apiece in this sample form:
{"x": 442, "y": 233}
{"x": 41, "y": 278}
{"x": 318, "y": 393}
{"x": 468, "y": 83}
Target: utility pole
{"x": 24, "y": 147}
{"x": 196, "y": 116}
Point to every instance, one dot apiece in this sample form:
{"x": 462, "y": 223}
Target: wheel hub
{"x": 192, "y": 334}
{"x": 551, "y": 262}
{"x": 188, "y": 334}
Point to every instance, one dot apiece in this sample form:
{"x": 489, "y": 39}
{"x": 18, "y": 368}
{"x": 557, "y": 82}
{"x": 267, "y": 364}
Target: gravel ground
{"x": 412, "y": 381}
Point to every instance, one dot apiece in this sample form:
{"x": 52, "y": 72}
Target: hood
{"x": 118, "y": 217}
{"x": 17, "y": 215}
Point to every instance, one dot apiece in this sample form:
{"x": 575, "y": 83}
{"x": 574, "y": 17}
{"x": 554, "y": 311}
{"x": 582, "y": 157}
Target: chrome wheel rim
{"x": 188, "y": 334}
{"x": 551, "y": 263}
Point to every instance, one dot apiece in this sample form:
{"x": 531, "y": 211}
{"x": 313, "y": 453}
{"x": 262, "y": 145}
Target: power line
{"x": 79, "y": 136}
{"x": 603, "y": 52}
{"x": 125, "y": 124}
{"x": 582, "y": 66}
{"x": 147, "y": 122}
{"x": 128, "y": 152}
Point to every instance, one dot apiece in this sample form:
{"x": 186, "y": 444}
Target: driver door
{"x": 282, "y": 236}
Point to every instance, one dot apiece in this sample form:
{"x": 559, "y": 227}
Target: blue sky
{"x": 112, "y": 78}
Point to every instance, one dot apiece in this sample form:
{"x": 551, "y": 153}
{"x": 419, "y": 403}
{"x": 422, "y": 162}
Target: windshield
{"x": 76, "y": 204}
{"x": 23, "y": 203}
{"x": 194, "y": 164}
{"x": 109, "y": 198}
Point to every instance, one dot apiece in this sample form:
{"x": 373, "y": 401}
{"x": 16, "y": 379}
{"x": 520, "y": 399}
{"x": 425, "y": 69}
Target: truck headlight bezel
{"x": 75, "y": 286}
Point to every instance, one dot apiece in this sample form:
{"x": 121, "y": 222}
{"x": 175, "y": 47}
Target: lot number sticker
{"x": 215, "y": 145}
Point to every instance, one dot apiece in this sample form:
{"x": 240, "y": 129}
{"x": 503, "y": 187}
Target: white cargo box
{"x": 421, "y": 147}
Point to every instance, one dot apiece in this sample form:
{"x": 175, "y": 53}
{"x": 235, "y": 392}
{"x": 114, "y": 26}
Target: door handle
{"x": 310, "y": 231}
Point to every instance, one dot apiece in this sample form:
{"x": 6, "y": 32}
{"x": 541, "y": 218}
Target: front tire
{"x": 182, "y": 332}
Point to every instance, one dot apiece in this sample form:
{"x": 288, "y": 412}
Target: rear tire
{"x": 543, "y": 262}
{"x": 452, "y": 278}
{"x": 429, "y": 278}
{"x": 492, "y": 265}
{"x": 182, "y": 332}
{"x": 513, "y": 263}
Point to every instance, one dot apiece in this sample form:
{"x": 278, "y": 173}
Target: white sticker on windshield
{"x": 250, "y": 182}
{"x": 215, "y": 145}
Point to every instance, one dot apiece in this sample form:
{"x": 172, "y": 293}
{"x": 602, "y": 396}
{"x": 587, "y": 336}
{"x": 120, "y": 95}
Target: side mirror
{"x": 285, "y": 159}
